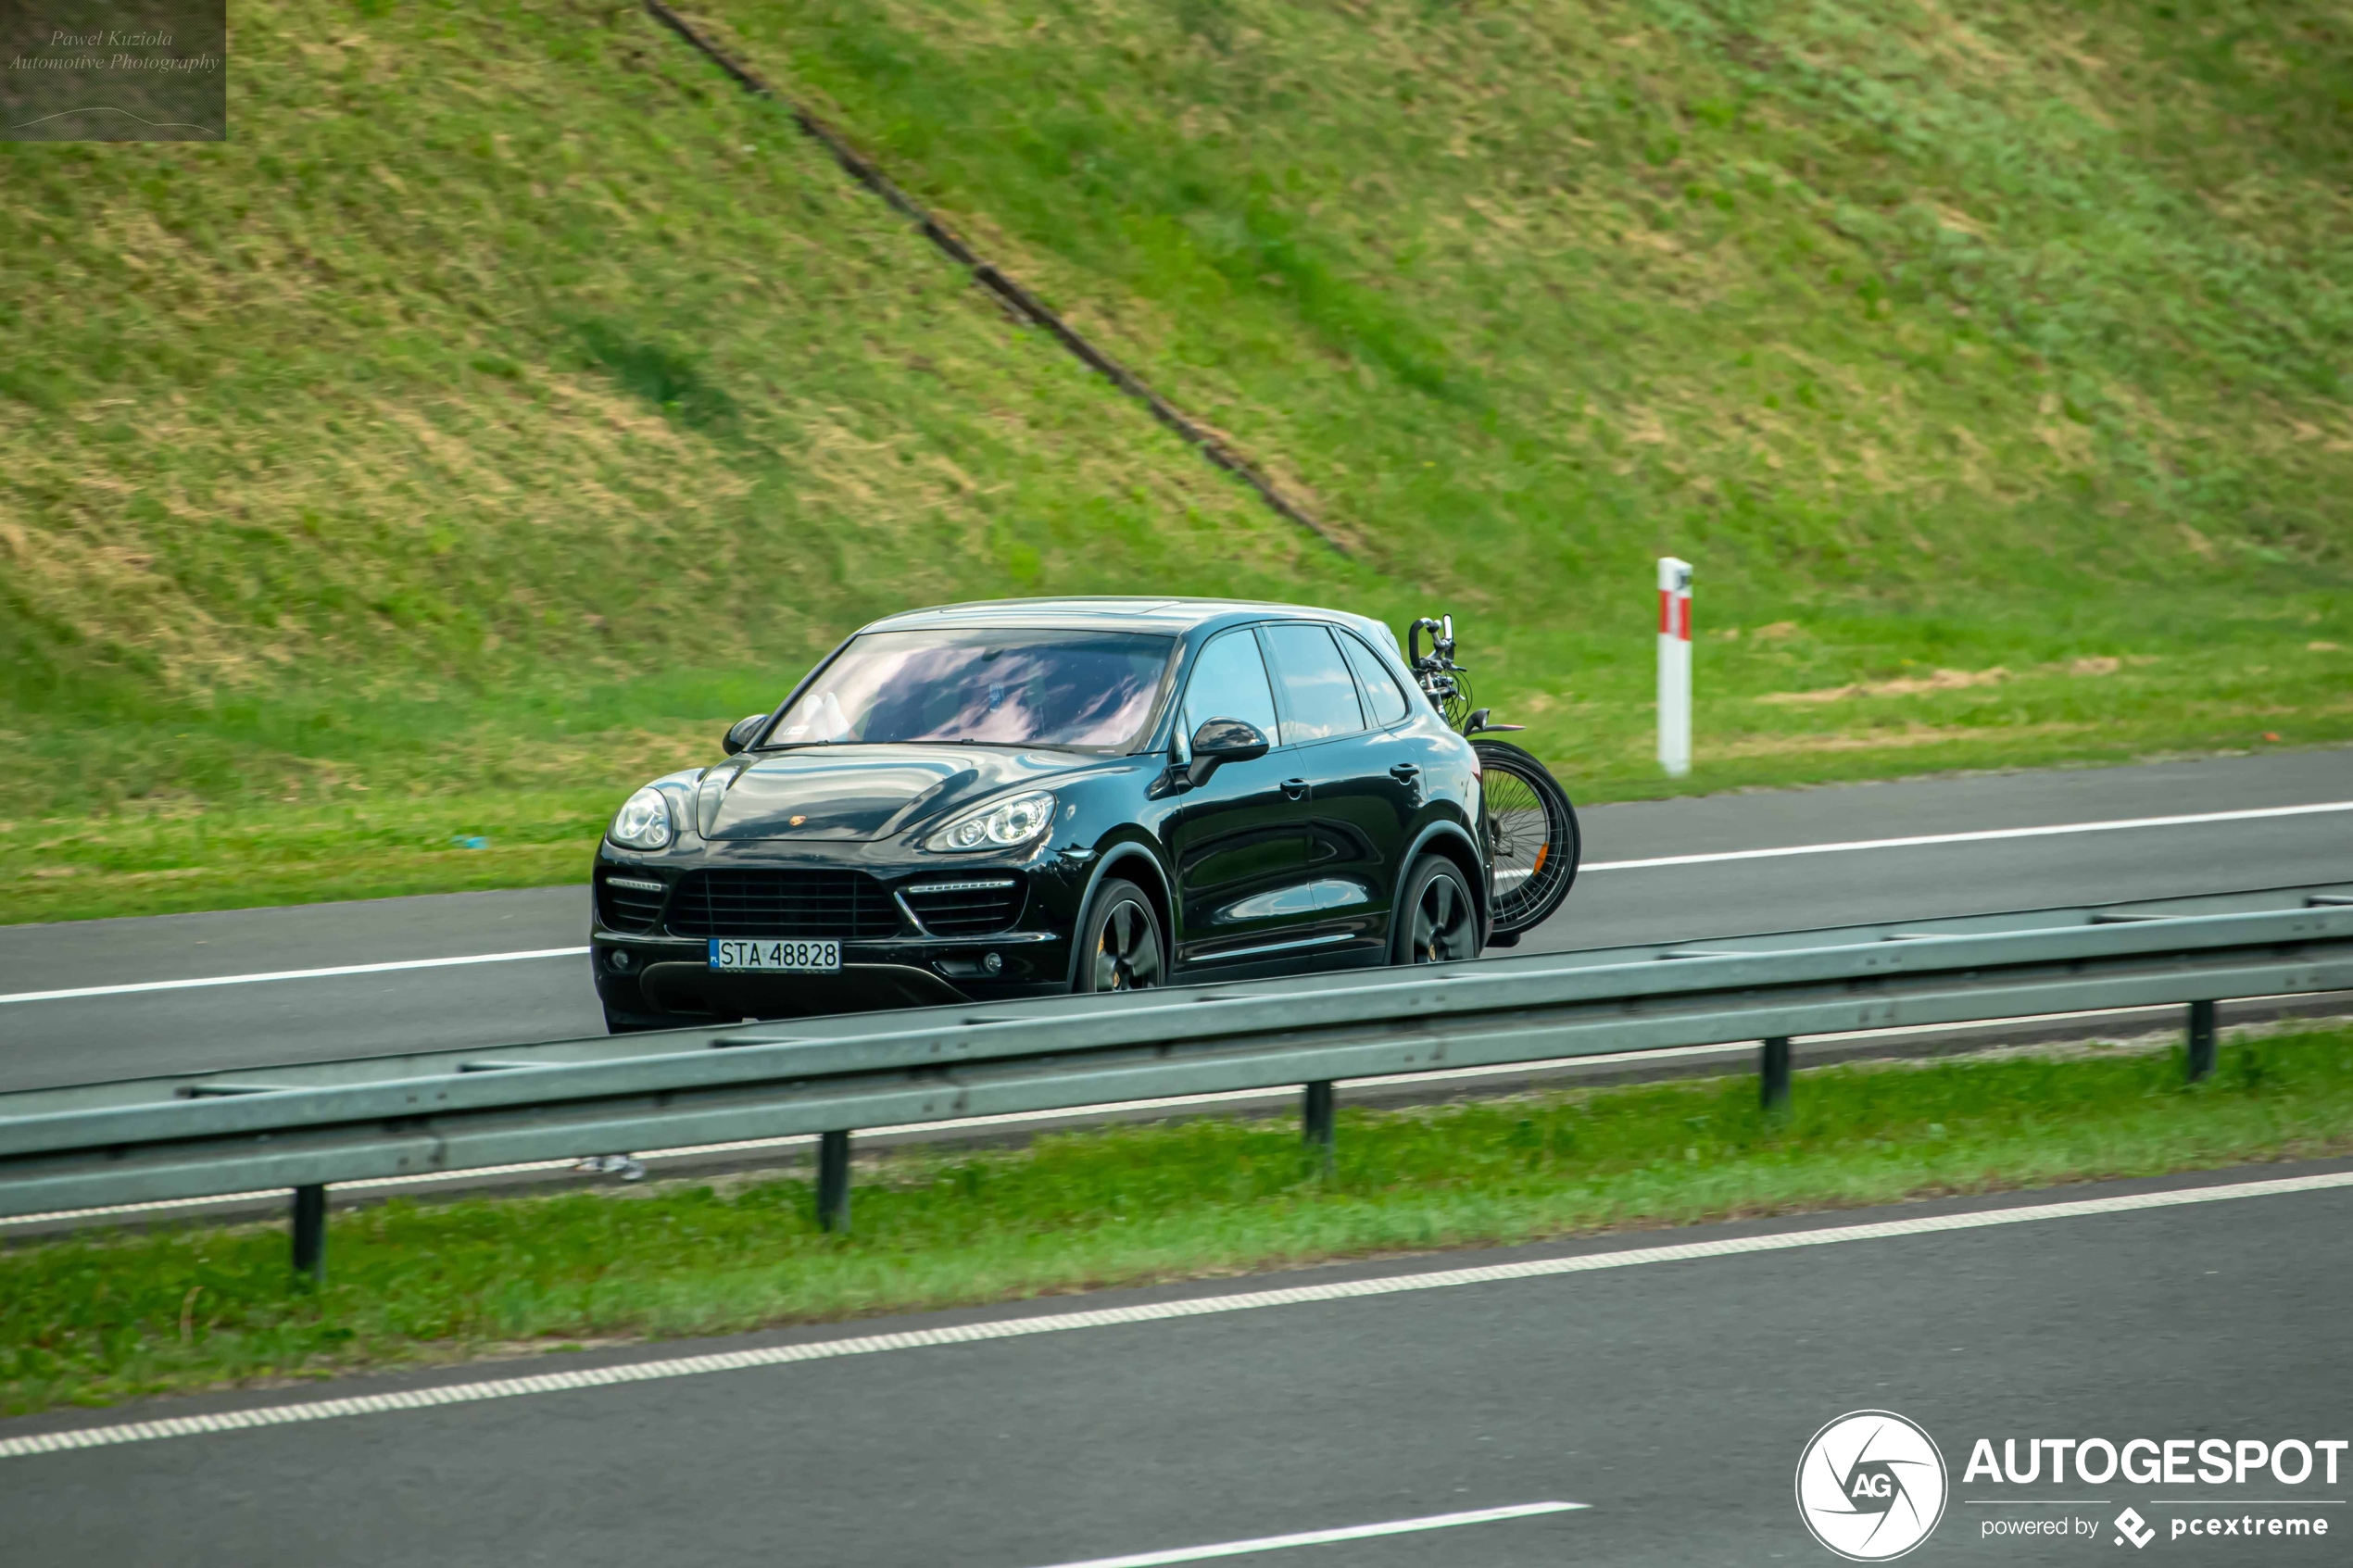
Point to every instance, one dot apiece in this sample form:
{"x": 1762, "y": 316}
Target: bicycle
{"x": 1533, "y": 844}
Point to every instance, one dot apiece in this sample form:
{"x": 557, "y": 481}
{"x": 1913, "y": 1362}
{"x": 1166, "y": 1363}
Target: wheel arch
{"x": 1453, "y": 841}
{"x": 1140, "y": 865}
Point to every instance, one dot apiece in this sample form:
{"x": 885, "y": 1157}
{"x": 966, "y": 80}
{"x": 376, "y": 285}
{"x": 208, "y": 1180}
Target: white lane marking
{"x": 1980, "y": 836}
{"x": 1320, "y": 1537}
{"x": 290, "y": 974}
{"x": 1154, "y": 1311}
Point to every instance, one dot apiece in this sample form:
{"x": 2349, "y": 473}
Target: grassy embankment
{"x": 97, "y": 1320}
{"x": 505, "y": 406}
{"x": 512, "y": 402}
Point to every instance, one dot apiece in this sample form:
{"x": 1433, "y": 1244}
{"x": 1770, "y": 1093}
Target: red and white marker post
{"x": 1674, "y": 666}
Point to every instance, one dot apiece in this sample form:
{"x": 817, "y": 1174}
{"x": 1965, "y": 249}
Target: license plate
{"x": 803, "y": 956}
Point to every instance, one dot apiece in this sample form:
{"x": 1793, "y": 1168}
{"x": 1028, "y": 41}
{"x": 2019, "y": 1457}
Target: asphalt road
{"x": 85, "y": 1039}
{"x": 1671, "y": 1397}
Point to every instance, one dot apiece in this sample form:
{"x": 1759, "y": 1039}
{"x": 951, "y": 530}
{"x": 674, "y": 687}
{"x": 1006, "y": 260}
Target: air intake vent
{"x": 849, "y": 905}
{"x": 629, "y": 903}
{"x": 965, "y": 906}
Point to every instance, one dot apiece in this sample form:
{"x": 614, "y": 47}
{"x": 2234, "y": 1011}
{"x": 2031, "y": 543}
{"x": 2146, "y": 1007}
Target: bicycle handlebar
{"x": 1442, "y": 651}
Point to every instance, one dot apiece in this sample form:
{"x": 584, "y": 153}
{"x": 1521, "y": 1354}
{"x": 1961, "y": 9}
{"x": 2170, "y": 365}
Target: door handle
{"x": 1295, "y": 789}
{"x": 1405, "y": 773}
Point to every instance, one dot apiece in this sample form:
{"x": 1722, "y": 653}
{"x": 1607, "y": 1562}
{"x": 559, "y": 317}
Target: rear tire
{"x": 1436, "y": 921}
{"x": 1120, "y": 945}
{"x": 1532, "y": 839}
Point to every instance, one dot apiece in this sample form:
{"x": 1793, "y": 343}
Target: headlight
{"x": 643, "y": 822}
{"x": 1000, "y": 826}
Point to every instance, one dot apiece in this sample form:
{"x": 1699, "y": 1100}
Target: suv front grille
{"x": 731, "y": 902}
{"x": 628, "y": 903}
{"x": 965, "y": 906}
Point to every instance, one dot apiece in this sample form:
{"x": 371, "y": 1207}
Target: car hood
{"x": 858, "y": 792}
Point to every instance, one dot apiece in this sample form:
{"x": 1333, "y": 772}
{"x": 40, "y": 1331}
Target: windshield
{"x": 1092, "y": 689}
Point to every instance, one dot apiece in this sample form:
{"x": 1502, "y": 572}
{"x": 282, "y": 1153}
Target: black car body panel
{"x": 1284, "y": 863}
{"x": 856, "y": 792}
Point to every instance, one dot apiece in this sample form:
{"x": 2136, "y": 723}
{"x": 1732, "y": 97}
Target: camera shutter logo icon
{"x": 1872, "y": 1485}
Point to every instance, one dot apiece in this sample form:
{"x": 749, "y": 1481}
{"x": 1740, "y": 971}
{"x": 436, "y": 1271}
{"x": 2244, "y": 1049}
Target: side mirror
{"x": 1220, "y": 741}
{"x": 739, "y": 734}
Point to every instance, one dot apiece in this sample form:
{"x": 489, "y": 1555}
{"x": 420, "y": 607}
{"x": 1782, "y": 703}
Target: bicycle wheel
{"x": 1455, "y": 706}
{"x": 1532, "y": 841}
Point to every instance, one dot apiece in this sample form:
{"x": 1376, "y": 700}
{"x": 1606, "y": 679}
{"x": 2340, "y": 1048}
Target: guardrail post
{"x": 1772, "y": 1068}
{"x": 1316, "y": 1124}
{"x": 310, "y": 1233}
{"x": 2201, "y": 1042}
{"x": 833, "y": 1181}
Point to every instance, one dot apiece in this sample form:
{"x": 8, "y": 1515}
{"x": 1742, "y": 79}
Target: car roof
{"x": 1171, "y": 616}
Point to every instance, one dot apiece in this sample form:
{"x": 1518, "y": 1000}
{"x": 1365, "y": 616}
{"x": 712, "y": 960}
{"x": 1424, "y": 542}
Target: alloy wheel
{"x": 1127, "y": 950}
{"x": 1443, "y": 921}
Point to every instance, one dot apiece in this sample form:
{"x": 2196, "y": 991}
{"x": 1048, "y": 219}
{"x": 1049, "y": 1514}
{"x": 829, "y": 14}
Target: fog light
{"x": 621, "y": 961}
{"x": 993, "y": 962}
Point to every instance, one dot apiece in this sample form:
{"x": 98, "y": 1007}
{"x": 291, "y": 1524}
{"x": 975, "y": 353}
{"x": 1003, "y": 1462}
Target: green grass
{"x": 94, "y": 1320}
{"x": 1999, "y": 335}
{"x": 511, "y": 403}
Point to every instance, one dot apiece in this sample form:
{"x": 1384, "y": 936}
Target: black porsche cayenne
{"x": 1030, "y": 796}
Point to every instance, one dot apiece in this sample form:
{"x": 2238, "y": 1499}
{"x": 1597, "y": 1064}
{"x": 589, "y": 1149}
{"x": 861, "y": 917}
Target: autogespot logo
{"x": 1870, "y": 1485}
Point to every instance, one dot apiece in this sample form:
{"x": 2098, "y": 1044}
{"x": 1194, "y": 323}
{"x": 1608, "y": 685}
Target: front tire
{"x": 1437, "y": 922}
{"x": 1120, "y": 945}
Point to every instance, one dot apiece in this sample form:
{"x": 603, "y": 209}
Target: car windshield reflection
{"x": 1089, "y": 690}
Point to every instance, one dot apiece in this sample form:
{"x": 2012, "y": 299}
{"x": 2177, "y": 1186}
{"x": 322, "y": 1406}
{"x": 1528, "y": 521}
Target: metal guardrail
{"x": 302, "y": 1127}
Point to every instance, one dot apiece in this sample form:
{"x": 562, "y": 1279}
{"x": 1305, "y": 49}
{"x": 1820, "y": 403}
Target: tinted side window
{"x": 1319, "y": 695}
{"x": 1230, "y": 682}
{"x": 1382, "y": 695}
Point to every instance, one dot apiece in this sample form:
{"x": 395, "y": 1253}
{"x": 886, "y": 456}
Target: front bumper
{"x": 649, "y": 969}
